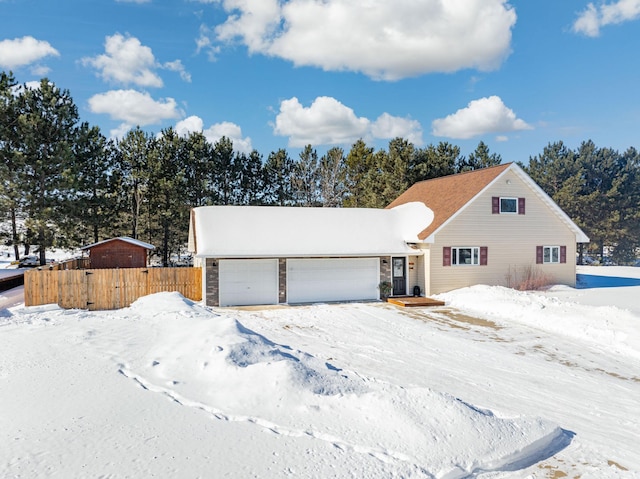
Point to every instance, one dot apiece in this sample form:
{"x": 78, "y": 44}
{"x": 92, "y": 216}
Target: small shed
{"x": 122, "y": 252}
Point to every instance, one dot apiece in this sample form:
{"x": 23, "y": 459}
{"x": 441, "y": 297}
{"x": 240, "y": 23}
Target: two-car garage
{"x": 307, "y": 280}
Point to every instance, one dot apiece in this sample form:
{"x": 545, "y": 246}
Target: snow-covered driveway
{"x": 167, "y": 388}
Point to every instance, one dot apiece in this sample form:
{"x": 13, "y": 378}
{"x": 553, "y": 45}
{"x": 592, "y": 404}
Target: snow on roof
{"x": 126, "y": 239}
{"x": 272, "y": 231}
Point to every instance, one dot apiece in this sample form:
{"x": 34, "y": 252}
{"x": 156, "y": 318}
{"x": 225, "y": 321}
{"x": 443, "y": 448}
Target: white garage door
{"x": 344, "y": 279}
{"x": 248, "y": 281}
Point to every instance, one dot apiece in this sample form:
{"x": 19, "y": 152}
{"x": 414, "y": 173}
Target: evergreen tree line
{"x": 65, "y": 184}
{"x": 599, "y": 188}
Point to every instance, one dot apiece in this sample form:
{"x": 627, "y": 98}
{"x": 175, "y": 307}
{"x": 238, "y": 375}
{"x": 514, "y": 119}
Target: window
{"x": 508, "y": 205}
{"x": 551, "y": 254}
{"x": 461, "y": 256}
{"x": 469, "y": 255}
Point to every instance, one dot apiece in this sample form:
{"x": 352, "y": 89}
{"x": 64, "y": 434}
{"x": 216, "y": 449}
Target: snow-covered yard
{"x": 496, "y": 384}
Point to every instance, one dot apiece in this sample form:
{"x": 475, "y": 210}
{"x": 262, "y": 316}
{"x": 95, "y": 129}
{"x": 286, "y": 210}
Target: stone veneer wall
{"x": 282, "y": 280}
{"x": 385, "y": 268}
{"x": 212, "y": 292}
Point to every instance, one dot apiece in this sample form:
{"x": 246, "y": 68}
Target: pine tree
{"x": 10, "y": 157}
{"x": 360, "y": 173}
{"x": 396, "y": 170}
{"x": 480, "y": 158}
{"x": 434, "y": 162}
{"x": 332, "y": 174}
{"x": 225, "y": 174}
{"x": 168, "y": 210}
{"x": 198, "y": 155}
{"x": 88, "y": 210}
{"x": 132, "y": 169}
{"x": 277, "y": 173}
{"x": 46, "y": 130}
{"x": 305, "y": 178}
{"x": 252, "y": 182}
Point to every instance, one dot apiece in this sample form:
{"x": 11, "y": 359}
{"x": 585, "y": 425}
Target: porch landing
{"x": 411, "y": 301}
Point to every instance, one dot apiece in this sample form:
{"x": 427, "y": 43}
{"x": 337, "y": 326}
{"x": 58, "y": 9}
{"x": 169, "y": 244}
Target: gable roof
{"x": 276, "y": 231}
{"x": 126, "y": 239}
{"x": 448, "y": 196}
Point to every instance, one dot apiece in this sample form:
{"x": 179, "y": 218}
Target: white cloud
{"x": 215, "y": 132}
{"x": 40, "y": 70}
{"x": 128, "y": 62}
{"x": 23, "y": 51}
{"x": 382, "y": 39}
{"x": 325, "y": 122}
{"x": 134, "y": 107}
{"x": 177, "y": 66}
{"x": 486, "y": 115}
{"x": 389, "y": 127}
{"x": 329, "y": 122}
{"x": 204, "y": 43}
{"x": 231, "y": 131}
{"x": 593, "y": 18}
{"x": 120, "y": 131}
{"x": 189, "y": 125}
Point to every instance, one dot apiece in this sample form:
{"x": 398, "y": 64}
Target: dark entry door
{"x": 399, "y": 275}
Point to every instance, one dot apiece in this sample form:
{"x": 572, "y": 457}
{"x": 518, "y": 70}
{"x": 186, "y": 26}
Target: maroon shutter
{"x": 521, "y": 202}
{"x": 446, "y": 256}
{"x": 563, "y": 254}
{"x": 539, "y": 255}
{"x": 495, "y": 205}
{"x": 484, "y": 255}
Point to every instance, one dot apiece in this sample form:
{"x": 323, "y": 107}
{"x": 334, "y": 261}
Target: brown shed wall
{"x": 117, "y": 254}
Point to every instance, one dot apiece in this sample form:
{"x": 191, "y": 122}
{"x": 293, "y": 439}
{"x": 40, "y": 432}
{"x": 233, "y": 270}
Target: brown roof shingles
{"x": 446, "y": 195}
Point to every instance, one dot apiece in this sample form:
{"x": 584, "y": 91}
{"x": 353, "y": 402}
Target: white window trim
{"x": 475, "y": 253}
{"x": 550, "y": 248}
{"x": 508, "y": 212}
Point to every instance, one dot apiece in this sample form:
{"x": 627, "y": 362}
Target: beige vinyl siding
{"x": 415, "y": 274}
{"x": 426, "y": 271}
{"x": 511, "y": 240}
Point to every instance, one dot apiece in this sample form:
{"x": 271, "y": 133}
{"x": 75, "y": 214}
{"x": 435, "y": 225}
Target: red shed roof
{"x": 126, "y": 239}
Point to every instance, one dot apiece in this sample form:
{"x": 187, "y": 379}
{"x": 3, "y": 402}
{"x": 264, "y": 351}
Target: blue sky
{"x": 275, "y": 74}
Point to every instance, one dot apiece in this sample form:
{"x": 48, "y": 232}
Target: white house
{"x": 488, "y": 226}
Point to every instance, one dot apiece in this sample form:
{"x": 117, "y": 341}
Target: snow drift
{"x": 213, "y": 363}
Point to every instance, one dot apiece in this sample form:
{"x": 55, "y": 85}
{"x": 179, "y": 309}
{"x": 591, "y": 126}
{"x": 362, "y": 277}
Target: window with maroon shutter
{"x": 484, "y": 255}
{"x": 446, "y": 256}
{"x": 495, "y": 205}
{"x": 551, "y": 254}
{"x": 521, "y": 202}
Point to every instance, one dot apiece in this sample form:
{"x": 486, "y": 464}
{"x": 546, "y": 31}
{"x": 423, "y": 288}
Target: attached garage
{"x": 277, "y": 255}
{"x": 248, "y": 281}
{"x": 332, "y": 279}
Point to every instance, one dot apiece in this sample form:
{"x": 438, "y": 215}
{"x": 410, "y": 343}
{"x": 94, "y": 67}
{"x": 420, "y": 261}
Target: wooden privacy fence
{"x": 78, "y": 263}
{"x": 97, "y": 289}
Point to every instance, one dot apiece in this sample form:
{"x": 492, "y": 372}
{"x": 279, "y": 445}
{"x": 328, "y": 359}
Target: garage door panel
{"x": 247, "y": 282}
{"x": 334, "y": 279}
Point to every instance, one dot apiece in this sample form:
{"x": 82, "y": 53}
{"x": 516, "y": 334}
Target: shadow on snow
{"x": 588, "y": 281}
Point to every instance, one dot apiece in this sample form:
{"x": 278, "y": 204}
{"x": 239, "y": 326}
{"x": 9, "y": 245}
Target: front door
{"x": 399, "y": 274}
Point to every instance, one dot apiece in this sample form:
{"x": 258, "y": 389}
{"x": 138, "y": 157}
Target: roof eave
{"x": 581, "y": 237}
